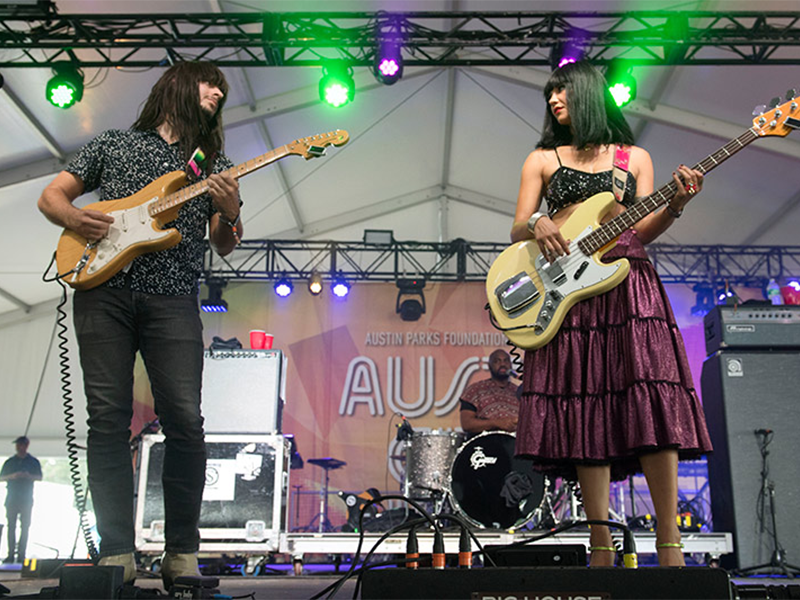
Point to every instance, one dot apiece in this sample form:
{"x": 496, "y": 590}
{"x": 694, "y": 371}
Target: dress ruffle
{"x": 614, "y": 383}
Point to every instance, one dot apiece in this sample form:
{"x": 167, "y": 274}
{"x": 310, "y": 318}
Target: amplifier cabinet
{"x": 752, "y": 326}
{"x": 244, "y": 500}
{"x": 744, "y": 393}
{"x": 243, "y": 391}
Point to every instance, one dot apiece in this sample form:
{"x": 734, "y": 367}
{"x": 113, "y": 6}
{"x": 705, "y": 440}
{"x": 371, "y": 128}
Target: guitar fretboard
{"x": 194, "y": 190}
{"x": 624, "y": 221}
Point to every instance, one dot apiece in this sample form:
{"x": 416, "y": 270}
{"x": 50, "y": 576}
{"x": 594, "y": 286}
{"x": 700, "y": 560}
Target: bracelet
{"x": 535, "y": 219}
{"x": 233, "y": 225}
{"x": 675, "y": 214}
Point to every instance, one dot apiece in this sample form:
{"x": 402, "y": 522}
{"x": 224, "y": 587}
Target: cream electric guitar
{"x": 529, "y": 297}
{"x": 139, "y": 219}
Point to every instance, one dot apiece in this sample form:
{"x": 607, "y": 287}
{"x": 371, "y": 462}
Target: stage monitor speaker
{"x": 243, "y": 391}
{"x": 504, "y": 583}
{"x": 744, "y": 392}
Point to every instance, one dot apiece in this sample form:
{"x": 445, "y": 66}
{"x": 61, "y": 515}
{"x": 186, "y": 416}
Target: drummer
{"x": 491, "y": 404}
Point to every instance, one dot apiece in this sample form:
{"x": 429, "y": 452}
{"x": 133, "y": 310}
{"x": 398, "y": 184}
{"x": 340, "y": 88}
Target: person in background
{"x": 491, "y": 404}
{"x": 19, "y": 472}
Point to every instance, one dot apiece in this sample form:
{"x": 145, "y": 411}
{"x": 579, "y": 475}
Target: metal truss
{"x": 34, "y": 38}
{"x": 459, "y": 260}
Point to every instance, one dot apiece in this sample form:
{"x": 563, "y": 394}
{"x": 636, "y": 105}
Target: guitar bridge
{"x": 516, "y": 293}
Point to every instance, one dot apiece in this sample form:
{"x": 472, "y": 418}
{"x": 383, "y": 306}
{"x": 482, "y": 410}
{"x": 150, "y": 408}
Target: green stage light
{"x": 65, "y": 88}
{"x": 336, "y": 86}
{"x": 621, "y": 84}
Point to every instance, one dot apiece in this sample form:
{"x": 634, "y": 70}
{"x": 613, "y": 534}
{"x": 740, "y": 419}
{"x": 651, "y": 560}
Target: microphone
{"x": 404, "y": 431}
{"x": 762, "y": 431}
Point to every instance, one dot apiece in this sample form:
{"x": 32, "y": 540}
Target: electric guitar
{"x": 529, "y": 297}
{"x": 139, "y": 219}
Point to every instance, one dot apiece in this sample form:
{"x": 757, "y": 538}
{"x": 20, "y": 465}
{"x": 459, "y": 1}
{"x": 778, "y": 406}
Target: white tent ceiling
{"x": 435, "y": 157}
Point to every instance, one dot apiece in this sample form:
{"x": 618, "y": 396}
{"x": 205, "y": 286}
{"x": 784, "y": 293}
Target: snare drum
{"x": 486, "y": 477}
{"x": 429, "y": 455}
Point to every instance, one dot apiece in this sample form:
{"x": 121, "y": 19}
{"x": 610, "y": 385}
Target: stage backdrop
{"x": 354, "y": 366}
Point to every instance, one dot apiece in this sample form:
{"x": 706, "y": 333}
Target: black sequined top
{"x": 571, "y": 186}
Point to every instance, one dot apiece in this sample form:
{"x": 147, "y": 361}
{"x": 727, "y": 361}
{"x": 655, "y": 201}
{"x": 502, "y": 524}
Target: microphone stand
{"x": 777, "y": 563}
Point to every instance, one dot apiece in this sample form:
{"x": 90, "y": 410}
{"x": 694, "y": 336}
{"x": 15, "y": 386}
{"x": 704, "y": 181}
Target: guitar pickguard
{"x": 534, "y": 297}
{"x": 131, "y": 226}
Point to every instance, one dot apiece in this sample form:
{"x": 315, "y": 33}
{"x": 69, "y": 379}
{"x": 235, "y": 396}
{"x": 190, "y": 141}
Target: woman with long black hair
{"x": 611, "y": 394}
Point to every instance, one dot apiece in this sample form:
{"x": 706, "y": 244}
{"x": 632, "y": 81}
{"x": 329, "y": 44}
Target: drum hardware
{"x": 328, "y": 464}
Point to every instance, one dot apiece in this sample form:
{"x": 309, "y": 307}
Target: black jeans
{"x": 111, "y": 326}
{"x": 23, "y": 512}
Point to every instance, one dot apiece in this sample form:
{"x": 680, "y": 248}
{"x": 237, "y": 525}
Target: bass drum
{"x": 490, "y": 487}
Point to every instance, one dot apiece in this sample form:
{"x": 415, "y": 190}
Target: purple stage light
{"x": 565, "y": 61}
{"x": 388, "y": 67}
{"x": 341, "y": 289}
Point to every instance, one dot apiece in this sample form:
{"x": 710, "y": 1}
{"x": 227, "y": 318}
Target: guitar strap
{"x": 619, "y": 178}
{"x": 196, "y": 163}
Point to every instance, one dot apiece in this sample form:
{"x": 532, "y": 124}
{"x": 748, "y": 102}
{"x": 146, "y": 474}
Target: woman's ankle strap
{"x": 670, "y": 545}
{"x": 605, "y": 548}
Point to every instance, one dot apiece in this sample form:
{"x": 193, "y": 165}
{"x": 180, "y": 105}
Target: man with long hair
{"x": 151, "y": 306}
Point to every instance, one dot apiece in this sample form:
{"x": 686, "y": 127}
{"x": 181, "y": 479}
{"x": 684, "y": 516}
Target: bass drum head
{"x": 486, "y": 478}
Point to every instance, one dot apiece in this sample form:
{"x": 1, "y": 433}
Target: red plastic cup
{"x": 268, "y": 341}
{"x": 258, "y": 339}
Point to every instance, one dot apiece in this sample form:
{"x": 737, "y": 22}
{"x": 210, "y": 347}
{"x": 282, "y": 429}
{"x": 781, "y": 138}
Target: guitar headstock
{"x": 781, "y": 120}
{"x": 314, "y": 146}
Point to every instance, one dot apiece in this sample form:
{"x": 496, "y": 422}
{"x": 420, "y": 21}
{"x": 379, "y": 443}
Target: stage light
{"x": 315, "y": 283}
{"x": 283, "y": 287}
{"x": 379, "y": 237}
{"x": 705, "y": 299}
{"x": 214, "y": 302}
{"x": 410, "y": 309}
{"x": 65, "y": 88}
{"x": 388, "y": 67}
{"x": 336, "y": 86}
{"x": 621, "y": 84}
{"x": 340, "y": 287}
{"x": 563, "y": 54}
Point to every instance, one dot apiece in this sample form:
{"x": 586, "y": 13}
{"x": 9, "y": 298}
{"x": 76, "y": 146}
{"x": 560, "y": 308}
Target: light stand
{"x": 777, "y": 563}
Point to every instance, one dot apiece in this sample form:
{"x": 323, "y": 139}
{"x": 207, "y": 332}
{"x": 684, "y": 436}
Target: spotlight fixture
{"x": 563, "y": 54}
{"x": 65, "y": 88}
{"x": 705, "y": 299}
{"x": 315, "y": 283}
{"x": 388, "y": 67}
{"x": 382, "y": 237}
{"x": 214, "y": 303}
{"x": 621, "y": 84}
{"x": 340, "y": 287}
{"x": 410, "y": 309}
{"x": 283, "y": 287}
{"x": 336, "y": 86}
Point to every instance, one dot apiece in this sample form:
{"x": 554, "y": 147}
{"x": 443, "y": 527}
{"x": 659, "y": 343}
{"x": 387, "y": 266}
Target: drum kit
{"x": 481, "y": 480}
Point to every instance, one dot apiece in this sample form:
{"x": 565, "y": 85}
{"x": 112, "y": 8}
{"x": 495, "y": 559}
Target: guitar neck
{"x": 190, "y": 192}
{"x": 624, "y": 221}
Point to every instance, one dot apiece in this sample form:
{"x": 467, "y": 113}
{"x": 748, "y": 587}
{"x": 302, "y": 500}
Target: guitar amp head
{"x": 752, "y": 326}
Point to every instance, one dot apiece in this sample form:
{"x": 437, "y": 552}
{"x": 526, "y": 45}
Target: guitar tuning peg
{"x": 775, "y": 102}
{"x": 759, "y": 110}
{"x": 791, "y": 94}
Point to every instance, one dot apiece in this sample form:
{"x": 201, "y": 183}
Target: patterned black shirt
{"x": 120, "y": 163}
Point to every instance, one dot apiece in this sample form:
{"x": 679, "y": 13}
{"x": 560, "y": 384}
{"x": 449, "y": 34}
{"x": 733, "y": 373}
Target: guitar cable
{"x": 69, "y": 417}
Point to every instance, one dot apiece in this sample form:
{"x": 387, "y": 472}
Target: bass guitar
{"x": 529, "y": 297}
{"x": 139, "y": 219}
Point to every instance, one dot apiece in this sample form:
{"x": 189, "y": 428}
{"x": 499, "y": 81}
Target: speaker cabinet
{"x": 243, "y": 391}
{"x": 744, "y": 392}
